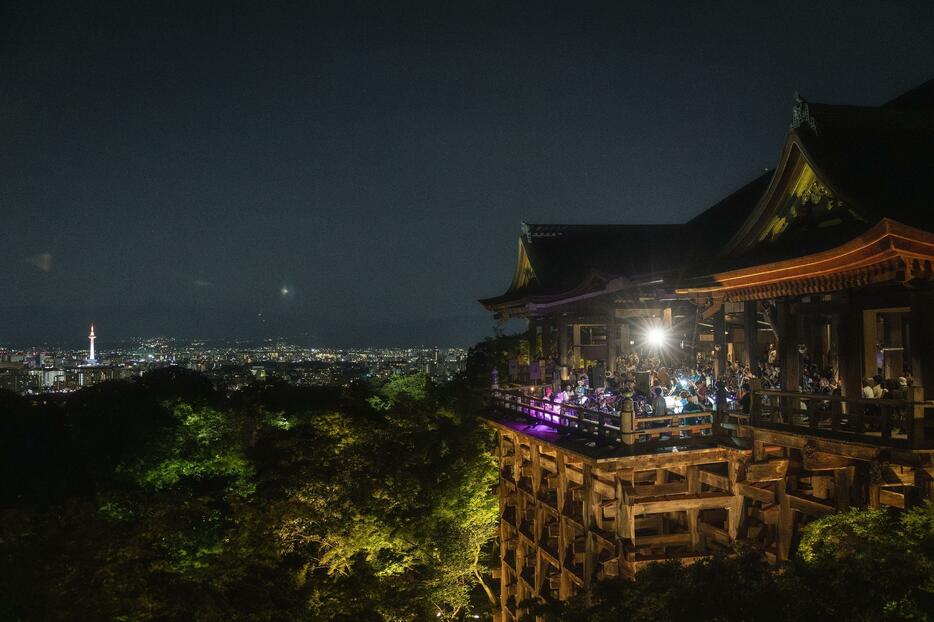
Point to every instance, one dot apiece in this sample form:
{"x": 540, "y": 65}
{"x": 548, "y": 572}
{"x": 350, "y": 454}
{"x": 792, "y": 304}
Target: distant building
{"x": 91, "y": 358}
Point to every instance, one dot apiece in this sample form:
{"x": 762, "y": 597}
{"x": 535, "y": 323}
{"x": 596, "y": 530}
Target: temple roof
{"x": 558, "y": 261}
{"x": 843, "y": 169}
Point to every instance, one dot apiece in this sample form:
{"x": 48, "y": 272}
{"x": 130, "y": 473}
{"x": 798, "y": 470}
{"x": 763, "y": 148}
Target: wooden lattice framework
{"x": 570, "y": 517}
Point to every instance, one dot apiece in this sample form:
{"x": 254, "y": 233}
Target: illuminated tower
{"x": 92, "y": 338}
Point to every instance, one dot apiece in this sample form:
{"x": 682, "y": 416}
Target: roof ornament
{"x": 801, "y": 114}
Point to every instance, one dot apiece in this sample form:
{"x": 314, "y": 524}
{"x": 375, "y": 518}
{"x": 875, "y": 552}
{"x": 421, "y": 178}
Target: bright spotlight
{"x": 656, "y": 337}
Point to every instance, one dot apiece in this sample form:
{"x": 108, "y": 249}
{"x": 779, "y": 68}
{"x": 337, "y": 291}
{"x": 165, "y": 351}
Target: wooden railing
{"x": 895, "y": 423}
{"x": 620, "y": 426}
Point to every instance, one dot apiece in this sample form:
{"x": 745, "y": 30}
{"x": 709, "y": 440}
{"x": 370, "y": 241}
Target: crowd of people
{"x": 658, "y": 390}
{"x": 655, "y": 389}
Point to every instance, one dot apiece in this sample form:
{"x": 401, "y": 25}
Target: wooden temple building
{"x": 829, "y": 258}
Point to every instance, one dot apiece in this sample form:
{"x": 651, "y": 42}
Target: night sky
{"x": 352, "y": 174}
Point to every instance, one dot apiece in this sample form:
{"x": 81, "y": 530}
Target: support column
{"x": 848, "y": 351}
{"x": 587, "y": 520}
{"x": 532, "y": 337}
{"x": 547, "y": 324}
{"x": 719, "y": 341}
{"x": 692, "y": 475}
{"x": 751, "y": 330}
{"x": 737, "y": 515}
{"x": 786, "y": 520}
{"x": 503, "y": 533}
{"x": 563, "y": 345}
{"x": 612, "y": 341}
{"x": 791, "y": 359}
{"x": 922, "y": 341}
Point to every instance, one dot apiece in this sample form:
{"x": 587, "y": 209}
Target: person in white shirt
{"x": 659, "y": 407}
{"x": 877, "y": 387}
{"x": 867, "y": 389}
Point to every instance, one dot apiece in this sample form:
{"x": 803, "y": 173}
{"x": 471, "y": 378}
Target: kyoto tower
{"x": 92, "y": 338}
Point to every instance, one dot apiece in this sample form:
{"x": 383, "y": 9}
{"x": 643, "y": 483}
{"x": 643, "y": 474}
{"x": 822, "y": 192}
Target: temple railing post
{"x": 627, "y": 422}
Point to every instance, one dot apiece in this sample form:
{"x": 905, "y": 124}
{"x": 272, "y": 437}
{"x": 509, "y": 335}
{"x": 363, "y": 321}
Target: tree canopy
{"x": 369, "y": 503}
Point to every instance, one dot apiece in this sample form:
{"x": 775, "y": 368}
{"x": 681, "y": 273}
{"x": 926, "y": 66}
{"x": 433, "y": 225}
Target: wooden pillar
{"x": 785, "y": 521}
{"x": 612, "y": 341}
{"x": 563, "y": 345}
{"x": 737, "y": 515}
{"x": 587, "y": 519}
{"x": 719, "y": 341}
{"x": 848, "y": 350}
{"x": 791, "y": 358}
{"x": 692, "y": 475}
{"x": 503, "y": 533}
{"x": 751, "y": 330}
{"x": 547, "y": 345}
{"x": 841, "y": 486}
{"x": 564, "y": 590}
{"x": 922, "y": 340}
{"x": 532, "y": 337}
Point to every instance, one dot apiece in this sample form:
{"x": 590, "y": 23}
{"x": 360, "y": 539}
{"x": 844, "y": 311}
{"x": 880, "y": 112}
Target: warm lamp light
{"x": 656, "y": 337}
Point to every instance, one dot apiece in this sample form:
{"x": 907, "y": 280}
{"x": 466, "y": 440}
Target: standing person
{"x": 867, "y": 389}
{"x": 901, "y": 390}
{"x": 659, "y": 407}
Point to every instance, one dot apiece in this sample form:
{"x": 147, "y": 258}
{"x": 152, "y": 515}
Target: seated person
{"x": 691, "y": 405}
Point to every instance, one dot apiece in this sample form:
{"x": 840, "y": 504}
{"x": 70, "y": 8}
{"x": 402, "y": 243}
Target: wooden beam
{"x": 649, "y": 462}
{"x": 823, "y": 461}
{"x": 701, "y": 501}
{"x": 668, "y": 539}
{"x": 892, "y": 498}
{"x": 798, "y": 441}
{"x": 656, "y": 490}
{"x": 714, "y": 532}
{"x": 762, "y": 495}
{"x": 714, "y": 479}
{"x": 808, "y": 505}
{"x": 767, "y": 471}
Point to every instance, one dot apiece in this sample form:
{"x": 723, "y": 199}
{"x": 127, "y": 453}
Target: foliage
{"x": 278, "y": 503}
{"x": 492, "y": 353}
